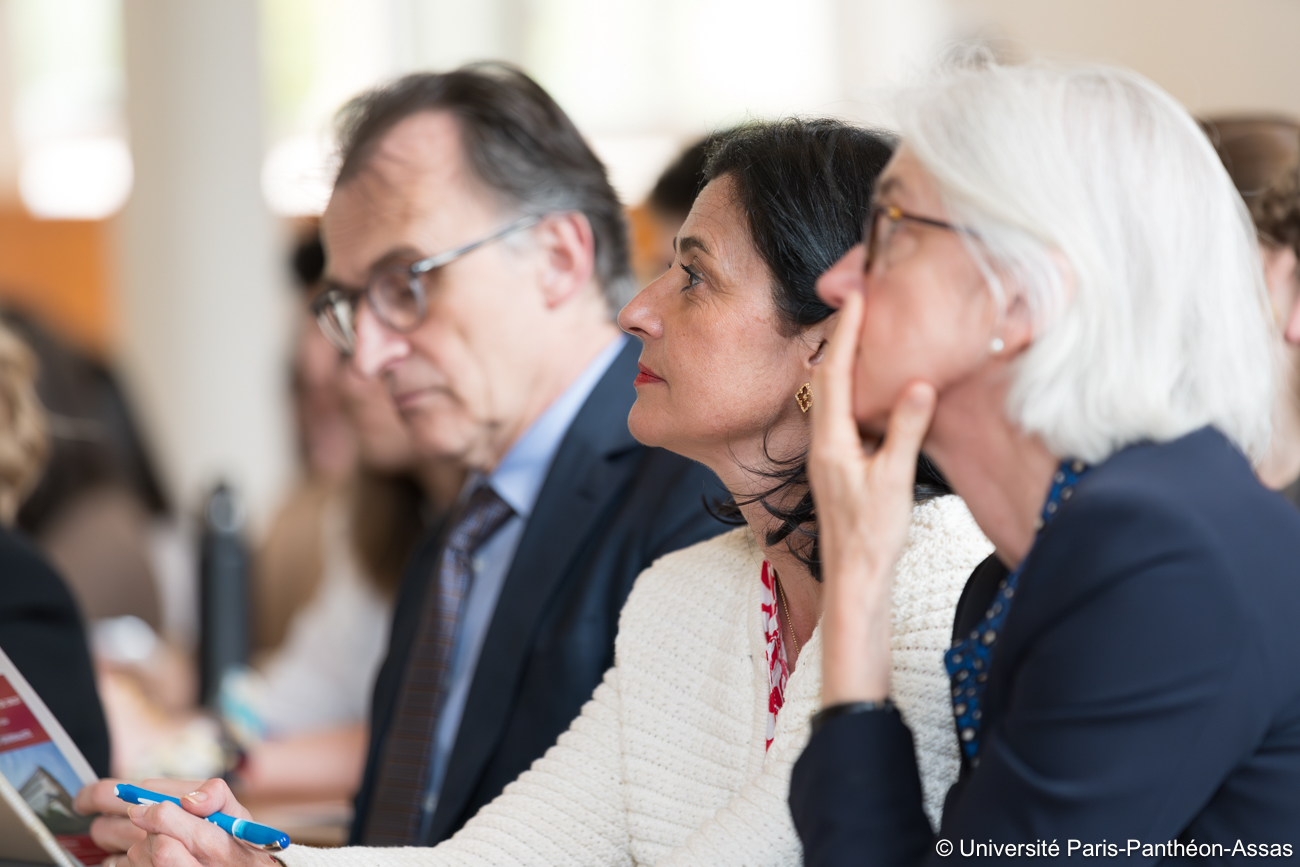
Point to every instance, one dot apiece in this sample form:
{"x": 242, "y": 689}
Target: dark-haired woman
{"x": 683, "y": 755}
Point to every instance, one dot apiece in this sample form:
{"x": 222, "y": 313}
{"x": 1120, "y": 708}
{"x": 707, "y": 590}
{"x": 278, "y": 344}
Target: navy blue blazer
{"x": 1145, "y": 686}
{"x": 609, "y": 508}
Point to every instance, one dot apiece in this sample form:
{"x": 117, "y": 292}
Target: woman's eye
{"x": 692, "y": 278}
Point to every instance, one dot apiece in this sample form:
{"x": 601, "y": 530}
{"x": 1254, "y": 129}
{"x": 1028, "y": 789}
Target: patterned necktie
{"x": 969, "y": 659}
{"x": 397, "y": 807}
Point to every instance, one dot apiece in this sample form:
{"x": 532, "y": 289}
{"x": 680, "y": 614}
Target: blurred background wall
{"x": 156, "y": 156}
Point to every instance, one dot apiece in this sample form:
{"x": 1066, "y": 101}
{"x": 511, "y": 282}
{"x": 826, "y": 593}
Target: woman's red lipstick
{"x": 645, "y": 375}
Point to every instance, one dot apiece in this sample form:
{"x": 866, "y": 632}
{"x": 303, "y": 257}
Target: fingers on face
{"x": 908, "y": 424}
{"x": 844, "y": 343}
{"x": 832, "y": 380}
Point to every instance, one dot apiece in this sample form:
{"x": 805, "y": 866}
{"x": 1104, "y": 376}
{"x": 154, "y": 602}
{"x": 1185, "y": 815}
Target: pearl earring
{"x": 996, "y": 345}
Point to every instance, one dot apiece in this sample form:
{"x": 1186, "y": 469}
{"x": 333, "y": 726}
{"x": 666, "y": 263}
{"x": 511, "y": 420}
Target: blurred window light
{"x": 640, "y": 78}
{"x": 76, "y": 179}
{"x": 635, "y": 161}
{"x": 65, "y": 59}
{"x": 317, "y": 54}
{"x": 684, "y": 66}
{"x": 297, "y": 176}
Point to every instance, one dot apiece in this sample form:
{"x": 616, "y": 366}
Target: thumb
{"x": 908, "y": 424}
{"x": 212, "y": 797}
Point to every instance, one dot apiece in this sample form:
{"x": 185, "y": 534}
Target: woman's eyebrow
{"x": 690, "y": 242}
{"x": 888, "y": 185}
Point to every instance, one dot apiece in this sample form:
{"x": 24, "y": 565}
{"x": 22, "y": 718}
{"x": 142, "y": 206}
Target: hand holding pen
{"x": 262, "y": 836}
{"x": 172, "y": 835}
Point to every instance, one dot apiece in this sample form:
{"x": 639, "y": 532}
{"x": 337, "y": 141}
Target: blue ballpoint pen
{"x": 241, "y": 829}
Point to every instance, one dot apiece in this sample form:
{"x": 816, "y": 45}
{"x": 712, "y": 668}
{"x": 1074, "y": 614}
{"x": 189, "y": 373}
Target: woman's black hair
{"x": 805, "y": 187}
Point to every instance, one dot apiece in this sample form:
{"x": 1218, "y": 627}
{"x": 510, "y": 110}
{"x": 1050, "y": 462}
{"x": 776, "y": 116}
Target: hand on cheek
{"x": 864, "y": 508}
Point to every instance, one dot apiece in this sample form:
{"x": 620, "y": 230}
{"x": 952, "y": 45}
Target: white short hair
{"x": 1095, "y": 194}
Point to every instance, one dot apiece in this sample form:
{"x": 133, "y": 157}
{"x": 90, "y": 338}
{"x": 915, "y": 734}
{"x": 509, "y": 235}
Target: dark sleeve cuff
{"x": 846, "y": 708}
{"x": 855, "y": 793}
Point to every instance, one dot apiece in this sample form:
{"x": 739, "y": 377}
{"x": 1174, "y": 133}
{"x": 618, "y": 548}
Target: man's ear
{"x": 568, "y": 248}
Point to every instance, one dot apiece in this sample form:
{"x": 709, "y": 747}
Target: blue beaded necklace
{"x": 969, "y": 659}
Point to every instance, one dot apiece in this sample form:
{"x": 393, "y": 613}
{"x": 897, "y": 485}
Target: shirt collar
{"x": 518, "y": 478}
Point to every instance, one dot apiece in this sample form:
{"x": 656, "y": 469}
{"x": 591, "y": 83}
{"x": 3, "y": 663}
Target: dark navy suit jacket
{"x": 1146, "y": 684}
{"x": 609, "y": 508}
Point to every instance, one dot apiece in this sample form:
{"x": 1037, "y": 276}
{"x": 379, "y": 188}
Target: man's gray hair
{"x": 517, "y": 141}
{"x": 1093, "y": 195}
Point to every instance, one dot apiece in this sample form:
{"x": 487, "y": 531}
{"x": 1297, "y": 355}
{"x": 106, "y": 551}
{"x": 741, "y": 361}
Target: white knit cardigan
{"x": 666, "y": 764}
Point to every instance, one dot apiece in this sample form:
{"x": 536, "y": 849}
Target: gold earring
{"x": 804, "y": 398}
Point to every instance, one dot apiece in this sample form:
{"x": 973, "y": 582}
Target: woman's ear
{"x": 815, "y": 339}
{"x": 1016, "y": 328}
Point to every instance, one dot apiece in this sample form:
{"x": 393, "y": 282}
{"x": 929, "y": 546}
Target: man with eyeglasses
{"x": 476, "y": 258}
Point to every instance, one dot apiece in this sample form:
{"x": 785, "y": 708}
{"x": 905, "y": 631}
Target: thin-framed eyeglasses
{"x": 396, "y": 295}
{"x": 878, "y": 235}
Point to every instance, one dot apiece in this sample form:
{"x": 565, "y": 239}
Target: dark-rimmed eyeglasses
{"x": 396, "y": 295}
{"x": 884, "y": 221}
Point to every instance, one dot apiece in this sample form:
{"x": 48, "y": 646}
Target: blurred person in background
{"x": 656, "y": 220}
{"x": 41, "y": 629}
{"x": 99, "y": 513}
{"x": 288, "y": 567}
{"x": 302, "y": 712}
{"x": 1262, "y": 156}
{"x": 98, "y": 510}
{"x": 99, "y": 493}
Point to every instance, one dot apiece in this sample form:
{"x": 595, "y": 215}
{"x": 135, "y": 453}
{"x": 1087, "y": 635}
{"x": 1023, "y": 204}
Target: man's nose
{"x": 377, "y": 346}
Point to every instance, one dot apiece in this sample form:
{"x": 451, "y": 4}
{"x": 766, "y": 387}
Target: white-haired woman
{"x": 1060, "y": 299}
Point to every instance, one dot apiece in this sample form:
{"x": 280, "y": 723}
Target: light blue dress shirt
{"x": 517, "y": 480}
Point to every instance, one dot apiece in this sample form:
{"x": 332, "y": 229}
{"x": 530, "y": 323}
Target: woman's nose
{"x": 842, "y": 278}
{"x": 639, "y": 317}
